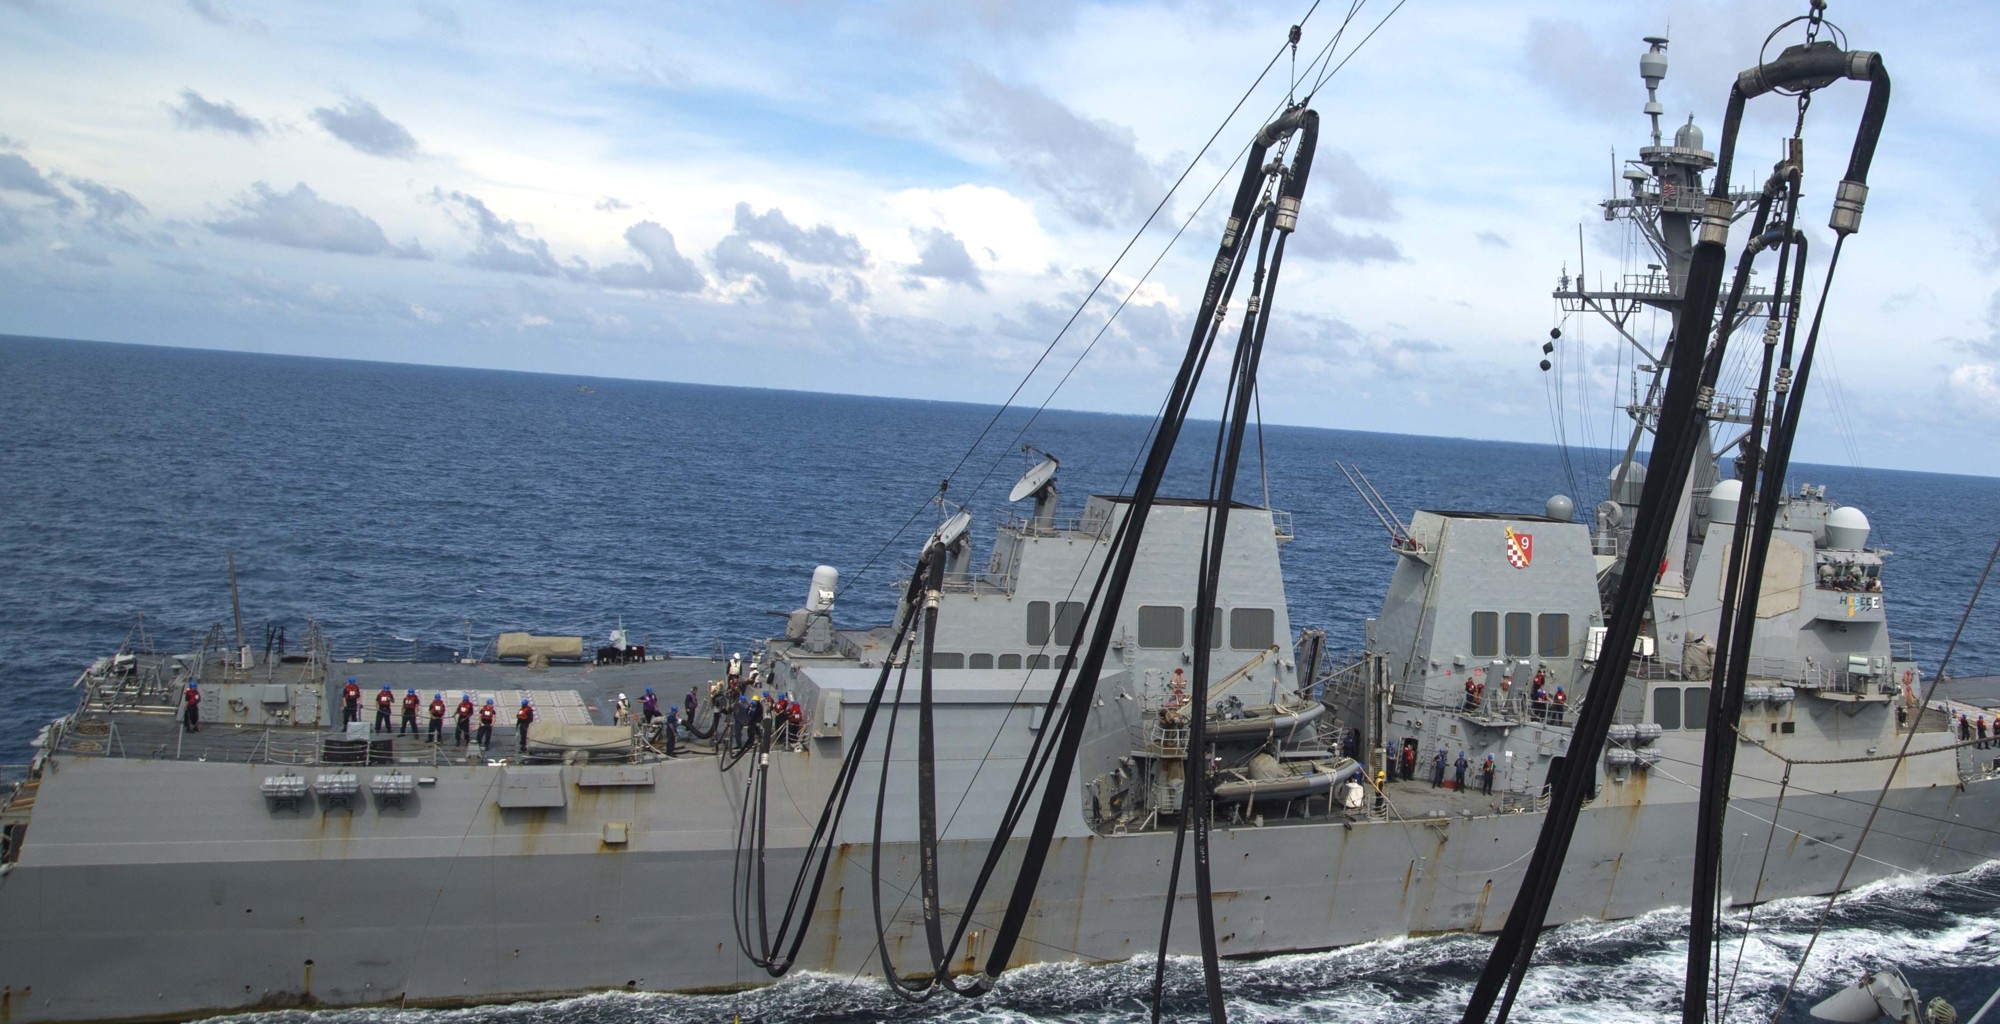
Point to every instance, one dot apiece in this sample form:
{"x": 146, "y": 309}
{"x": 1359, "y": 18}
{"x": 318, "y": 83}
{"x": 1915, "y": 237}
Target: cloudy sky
{"x": 910, "y": 198}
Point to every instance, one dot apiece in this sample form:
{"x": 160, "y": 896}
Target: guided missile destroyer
{"x": 282, "y": 857}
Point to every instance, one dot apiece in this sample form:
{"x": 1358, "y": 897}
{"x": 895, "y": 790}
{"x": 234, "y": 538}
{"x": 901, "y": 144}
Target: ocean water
{"x": 408, "y": 507}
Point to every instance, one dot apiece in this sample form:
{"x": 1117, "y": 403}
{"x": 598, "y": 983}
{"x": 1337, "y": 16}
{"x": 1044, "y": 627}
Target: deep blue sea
{"x": 414, "y": 507}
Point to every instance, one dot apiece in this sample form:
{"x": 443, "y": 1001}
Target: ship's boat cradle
{"x": 154, "y": 890}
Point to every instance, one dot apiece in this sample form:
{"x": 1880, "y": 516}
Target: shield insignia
{"x": 1520, "y": 548}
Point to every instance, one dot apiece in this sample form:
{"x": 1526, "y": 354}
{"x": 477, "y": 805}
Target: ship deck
{"x": 144, "y": 723}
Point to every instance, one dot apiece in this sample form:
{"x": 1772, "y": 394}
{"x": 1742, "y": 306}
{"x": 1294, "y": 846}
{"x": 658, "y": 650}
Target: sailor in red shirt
{"x": 463, "y": 733}
{"x": 385, "y": 702}
{"x": 437, "y": 718}
{"x": 191, "y": 708}
{"x": 522, "y": 719}
{"x": 486, "y": 725}
{"x": 410, "y": 704}
{"x": 350, "y": 701}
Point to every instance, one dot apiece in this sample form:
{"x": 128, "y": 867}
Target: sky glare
{"x": 907, "y": 198}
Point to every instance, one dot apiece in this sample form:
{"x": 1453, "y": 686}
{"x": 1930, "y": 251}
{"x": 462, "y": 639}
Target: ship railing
{"x": 1032, "y": 527}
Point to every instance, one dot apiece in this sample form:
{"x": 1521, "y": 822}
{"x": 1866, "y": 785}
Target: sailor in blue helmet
{"x": 350, "y": 701}
{"x": 437, "y": 718}
{"x": 385, "y": 703}
{"x": 191, "y": 707}
{"x": 522, "y": 720}
{"x": 411, "y": 702}
{"x": 486, "y": 724}
{"x": 462, "y": 731}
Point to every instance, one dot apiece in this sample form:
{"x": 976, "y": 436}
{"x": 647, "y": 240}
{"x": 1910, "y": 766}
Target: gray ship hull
{"x": 163, "y": 890}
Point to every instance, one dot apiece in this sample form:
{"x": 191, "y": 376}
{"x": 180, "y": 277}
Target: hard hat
{"x": 350, "y": 679}
{"x": 524, "y": 702}
{"x": 649, "y": 689}
{"x": 194, "y": 686}
{"x": 465, "y": 696}
{"x": 621, "y": 696}
{"x": 489, "y": 700}
{"x": 413, "y": 689}
{"x": 385, "y": 686}
{"x": 437, "y": 696}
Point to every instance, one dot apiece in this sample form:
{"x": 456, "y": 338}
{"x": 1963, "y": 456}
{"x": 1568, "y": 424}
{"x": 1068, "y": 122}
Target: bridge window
{"x": 1250, "y": 629}
{"x": 1010, "y": 661}
{"x": 1162, "y": 626}
{"x": 1485, "y": 634}
{"x": 1038, "y": 661}
{"x": 1520, "y": 634}
{"x": 1554, "y": 641}
{"x": 1667, "y": 707}
{"x": 940, "y": 659}
{"x": 1069, "y": 621}
{"x": 1697, "y": 707}
{"x": 1038, "y": 623}
{"x": 980, "y": 661}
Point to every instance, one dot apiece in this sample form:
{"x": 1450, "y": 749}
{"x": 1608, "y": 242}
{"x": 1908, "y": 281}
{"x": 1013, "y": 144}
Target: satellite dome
{"x": 1560, "y": 508}
{"x": 1723, "y": 501}
{"x": 1688, "y": 137}
{"x": 1847, "y": 529}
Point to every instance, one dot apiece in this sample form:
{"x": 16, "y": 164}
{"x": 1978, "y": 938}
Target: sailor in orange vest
{"x": 1560, "y": 708}
{"x": 437, "y": 718}
{"x": 385, "y": 702}
{"x": 410, "y": 704}
{"x": 522, "y": 719}
{"x": 350, "y": 701}
{"x": 463, "y": 733}
{"x": 486, "y": 725}
{"x": 191, "y": 708}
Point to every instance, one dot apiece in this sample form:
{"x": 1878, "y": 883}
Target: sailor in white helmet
{"x": 621, "y": 712}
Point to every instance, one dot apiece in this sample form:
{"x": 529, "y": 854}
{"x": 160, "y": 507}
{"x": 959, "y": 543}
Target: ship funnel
{"x": 1846, "y": 529}
{"x": 1723, "y": 501}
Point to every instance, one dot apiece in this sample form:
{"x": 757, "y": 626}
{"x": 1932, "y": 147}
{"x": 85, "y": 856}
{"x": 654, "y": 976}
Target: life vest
{"x": 193, "y": 696}
{"x": 352, "y": 693}
{"x": 526, "y": 714}
{"x": 486, "y": 716}
{"x": 464, "y": 710}
{"x": 385, "y": 700}
{"x": 437, "y": 709}
{"x": 410, "y": 702}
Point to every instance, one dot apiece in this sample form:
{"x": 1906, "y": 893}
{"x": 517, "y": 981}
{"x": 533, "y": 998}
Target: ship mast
{"x": 1664, "y": 200}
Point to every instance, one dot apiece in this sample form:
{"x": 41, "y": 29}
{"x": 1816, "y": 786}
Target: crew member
{"x": 1486, "y": 776}
{"x": 1980, "y": 727}
{"x": 689, "y": 704}
{"x": 1437, "y": 770}
{"x": 670, "y": 732}
{"x": 191, "y": 708}
{"x": 410, "y": 703}
{"x": 437, "y": 718}
{"x": 649, "y": 705}
{"x": 462, "y": 734}
{"x": 1471, "y": 694}
{"x": 1964, "y": 728}
{"x": 1409, "y": 761}
{"x": 621, "y": 712}
{"x": 1560, "y": 711}
{"x": 350, "y": 701}
{"x": 1538, "y": 703}
{"x": 486, "y": 714}
{"x": 1458, "y": 772}
{"x": 735, "y": 667}
{"x": 522, "y": 720}
{"x": 385, "y": 702}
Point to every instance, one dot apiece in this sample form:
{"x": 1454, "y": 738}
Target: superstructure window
{"x": 980, "y": 661}
{"x": 1485, "y": 634}
{"x": 1520, "y": 634}
{"x": 1038, "y": 623}
{"x": 1038, "y": 661}
{"x": 1667, "y": 707}
{"x": 1069, "y": 621}
{"x": 1554, "y": 641}
{"x": 1215, "y": 629}
{"x": 1697, "y": 707}
{"x": 1010, "y": 661}
{"x": 940, "y": 659}
{"x": 1250, "y": 629}
{"x": 1162, "y": 626}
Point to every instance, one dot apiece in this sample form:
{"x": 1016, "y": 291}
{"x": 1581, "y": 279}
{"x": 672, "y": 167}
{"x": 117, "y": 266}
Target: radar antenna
{"x": 1039, "y": 483}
